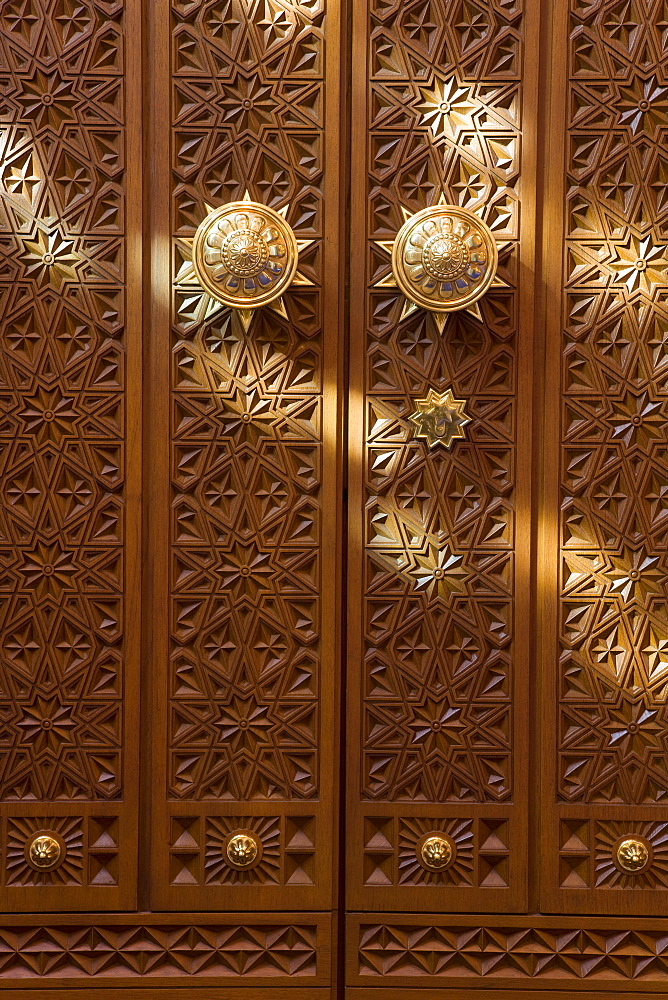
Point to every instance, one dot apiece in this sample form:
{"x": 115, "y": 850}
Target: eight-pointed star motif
{"x": 640, "y": 265}
{"x": 447, "y": 108}
{"x": 643, "y": 107}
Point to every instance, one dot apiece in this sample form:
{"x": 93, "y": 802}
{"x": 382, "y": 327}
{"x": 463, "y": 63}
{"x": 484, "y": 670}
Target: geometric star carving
{"x": 439, "y": 418}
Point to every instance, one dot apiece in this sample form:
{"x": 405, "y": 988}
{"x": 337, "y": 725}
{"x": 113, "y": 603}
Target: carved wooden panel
{"x": 246, "y": 494}
{"x": 69, "y": 391}
{"x": 607, "y": 748}
{"x": 519, "y": 953}
{"x": 439, "y": 572}
{"x": 226, "y": 950}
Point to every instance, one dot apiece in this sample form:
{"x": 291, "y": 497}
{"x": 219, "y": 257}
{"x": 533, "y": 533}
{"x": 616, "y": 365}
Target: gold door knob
{"x": 245, "y": 255}
{"x": 632, "y": 855}
{"x": 435, "y": 853}
{"x": 444, "y": 258}
{"x": 243, "y": 849}
{"x": 44, "y": 851}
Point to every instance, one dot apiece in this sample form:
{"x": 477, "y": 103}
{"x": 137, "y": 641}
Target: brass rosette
{"x": 444, "y": 258}
{"x": 632, "y": 855}
{"x": 245, "y": 255}
{"x": 436, "y": 852}
{"x": 45, "y": 851}
{"x": 243, "y": 849}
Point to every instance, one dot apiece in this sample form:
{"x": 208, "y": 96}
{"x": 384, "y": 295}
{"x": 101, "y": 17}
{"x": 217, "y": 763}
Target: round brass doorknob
{"x": 435, "y": 852}
{"x": 444, "y": 258}
{"x": 245, "y": 255}
{"x": 44, "y": 851}
{"x": 632, "y": 855}
{"x": 243, "y": 849}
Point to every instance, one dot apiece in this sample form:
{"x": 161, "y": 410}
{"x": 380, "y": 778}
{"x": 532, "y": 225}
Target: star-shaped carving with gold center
{"x": 440, "y": 418}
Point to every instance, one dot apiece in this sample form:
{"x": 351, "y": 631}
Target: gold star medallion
{"x": 244, "y": 256}
{"x": 443, "y": 259}
{"x": 440, "y": 418}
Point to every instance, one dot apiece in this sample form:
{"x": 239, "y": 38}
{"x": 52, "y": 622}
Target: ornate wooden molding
{"x": 556, "y": 951}
{"x": 265, "y": 950}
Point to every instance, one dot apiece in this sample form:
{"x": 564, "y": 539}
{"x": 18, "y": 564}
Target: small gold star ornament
{"x": 440, "y": 418}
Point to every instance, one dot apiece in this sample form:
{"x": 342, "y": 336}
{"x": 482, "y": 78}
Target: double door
{"x": 286, "y": 670}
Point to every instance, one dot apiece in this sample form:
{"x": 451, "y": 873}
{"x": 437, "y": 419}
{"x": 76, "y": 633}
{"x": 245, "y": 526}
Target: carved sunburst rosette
{"x": 45, "y": 850}
{"x": 444, "y": 258}
{"x": 245, "y": 255}
{"x": 243, "y": 849}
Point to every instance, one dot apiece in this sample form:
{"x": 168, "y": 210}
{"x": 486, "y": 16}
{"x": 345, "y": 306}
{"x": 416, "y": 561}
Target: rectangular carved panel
{"x": 247, "y": 490}
{"x": 560, "y": 953}
{"x": 69, "y": 470}
{"x": 146, "y": 950}
{"x": 607, "y": 748}
{"x": 438, "y": 619}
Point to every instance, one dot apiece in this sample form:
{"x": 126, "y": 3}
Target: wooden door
{"x": 243, "y": 594}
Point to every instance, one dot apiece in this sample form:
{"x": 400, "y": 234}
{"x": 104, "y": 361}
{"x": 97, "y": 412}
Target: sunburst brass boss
{"x": 245, "y": 254}
{"x": 44, "y": 851}
{"x": 243, "y": 849}
{"x": 435, "y": 852}
{"x": 444, "y": 258}
{"x": 632, "y": 855}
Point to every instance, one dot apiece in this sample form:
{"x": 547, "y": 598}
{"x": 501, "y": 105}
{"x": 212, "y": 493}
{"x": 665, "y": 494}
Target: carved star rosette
{"x": 439, "y": 418}
{"x": 444, "y": 258}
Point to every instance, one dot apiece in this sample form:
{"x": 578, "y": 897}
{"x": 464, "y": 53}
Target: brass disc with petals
{"x": 444, "y": 258}
{"x": 245, "y": 255}
{"x": 435, "y": 852}
{"x": 632, "y": 855}
{"x": 243, "y": 849}
{"x": 45, "y": 851}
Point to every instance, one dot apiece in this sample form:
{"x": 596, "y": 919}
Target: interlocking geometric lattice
{"x": 444, "y": 120}
{"x": 246, "y": 430}
{"x": 62, "y": 366}
{"x": 614, "y": 480}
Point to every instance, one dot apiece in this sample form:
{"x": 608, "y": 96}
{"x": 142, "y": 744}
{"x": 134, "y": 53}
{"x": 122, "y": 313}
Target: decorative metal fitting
{"x": 632, "y": 855}
{"x": 44, "y": 851}
{"x": 435, "y": 852}
{"x": 245, "y": 254}
{"x": 444, "y": 258}
{"x": 243, "y": 849}
{"x": 439, "y": 418}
